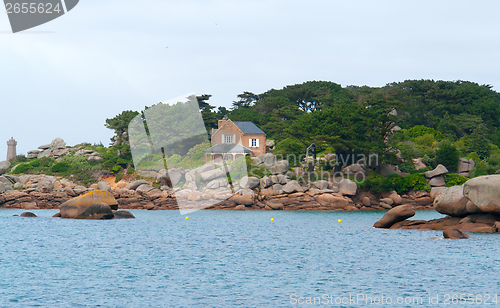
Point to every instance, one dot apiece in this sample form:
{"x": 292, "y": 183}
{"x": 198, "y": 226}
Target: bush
{"x": 447, "y": 155}
{"x": 453, "y": 179}
{"x": 46, "y": 161}
{"x": 22, "y": 168}
{"x": 60, "y": 167}
{"x": 379, "y": 183}
{"x": 119, "y": 176}
{"x": 417, "y": 181}
{"x": 20, "y": 158}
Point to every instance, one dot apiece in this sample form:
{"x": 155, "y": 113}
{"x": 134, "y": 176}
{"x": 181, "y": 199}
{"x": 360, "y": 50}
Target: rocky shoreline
{"x": 471, "y": 207}
{"x": 47, "y": 192}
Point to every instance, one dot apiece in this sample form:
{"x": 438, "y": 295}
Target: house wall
{"x": 261, "y": 149}
{"x": 228, "y": 127}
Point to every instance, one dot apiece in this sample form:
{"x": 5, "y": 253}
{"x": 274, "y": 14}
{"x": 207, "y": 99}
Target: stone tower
{"x": 11, "y": 150}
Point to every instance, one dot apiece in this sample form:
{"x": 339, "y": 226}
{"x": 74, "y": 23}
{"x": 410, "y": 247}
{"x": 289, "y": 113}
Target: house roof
{"x": 228, "y": 148}
{"x": 248, "y": 128}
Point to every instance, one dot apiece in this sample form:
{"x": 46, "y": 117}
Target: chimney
{"x": 11, "y": 149}
{"x": 221, "y": 123}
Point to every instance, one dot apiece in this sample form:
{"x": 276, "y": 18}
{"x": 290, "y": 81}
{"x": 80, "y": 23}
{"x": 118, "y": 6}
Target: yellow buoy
{"x": 340, "y": 220}
{"x": 187, "y": 218}
{"x": 272, "y": 219}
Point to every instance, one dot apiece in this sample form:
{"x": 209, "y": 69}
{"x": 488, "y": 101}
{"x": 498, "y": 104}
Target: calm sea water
{"x": 238, "y": 259}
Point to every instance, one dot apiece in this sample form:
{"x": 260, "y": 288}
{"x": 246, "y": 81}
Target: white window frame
{"x": 253, "y": 142}
{"x": 228, "y": 139}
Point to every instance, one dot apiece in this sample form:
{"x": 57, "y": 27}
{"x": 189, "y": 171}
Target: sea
{"x": 241, "y": 259}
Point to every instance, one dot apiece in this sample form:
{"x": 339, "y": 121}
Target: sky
{"x": 66, "y": 77}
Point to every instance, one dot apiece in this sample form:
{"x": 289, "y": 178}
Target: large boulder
{"x": 435, "y": 191}
{"x": 454, "y": 234}
{"x": 243, "y": 199}
{"x": 417, "y": 162}
{"x": 347, "y": 187}
{"x": 123, "y": 215}
{"x": 3, "y": 188}
{"x": 276, "y": 189}
{"x": 103, "y": 186}
{"x": 4, "y": 180}
{"x": 275, "y": 205}
{"x": 212, "y": 174}
{"x": 135, "y": 184}
{"x": 45, "y": 186}
{"x": 291, "y": 187}
{"x": 396, "y": 214}
{"x": 175, "y": 177}
{"x": 437, "y": 181}
{"x": 78, "y": 205}
{"x": 439, "y": 170}
{"x": 269, "y": 160}
{"x": 386, "y": 170}
{"x": 321, "y": 184}
{"x": 4, "y": 166}
{"x": 97, "y": 211}
{"x": 484, "y": 192}
{"x": 205, "y": 168}
{"x": 465, "y": 166}
{"x": 249, "y": 182}
{"x": 265, "y": 182}
{"x": 451, "y": 201}
{"x": 332, "y": 202}
{"x": 282, "y": 166}
{"x": 58, "y": 143}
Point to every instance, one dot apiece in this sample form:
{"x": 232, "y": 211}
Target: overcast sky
{"x": 64, "y": 78}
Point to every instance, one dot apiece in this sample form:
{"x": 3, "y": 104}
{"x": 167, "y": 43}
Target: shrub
{"x": 417, "y": 181}
{"x": 20, "y": 158}
{"x": 22, "y": 168}
{"x": 60, "y": 167}
{"x": 453, "y": 179}
{"x": 119, "y": 176}
{"x": 379, "y": 183}
{"x": 46, "y": 161}
{"x": 447, "y": 155}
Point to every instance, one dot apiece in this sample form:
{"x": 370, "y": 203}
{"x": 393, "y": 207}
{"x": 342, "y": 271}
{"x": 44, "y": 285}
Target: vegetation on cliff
{"x": 437, "y": 121}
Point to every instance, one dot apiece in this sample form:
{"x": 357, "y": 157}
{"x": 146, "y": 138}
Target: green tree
{"x": 447, "y": 155}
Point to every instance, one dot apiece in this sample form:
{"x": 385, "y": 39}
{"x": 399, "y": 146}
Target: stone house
{"x": 235, "y": 139}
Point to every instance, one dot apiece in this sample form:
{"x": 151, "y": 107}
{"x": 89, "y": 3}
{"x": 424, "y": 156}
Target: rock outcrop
{"x": 395, "y": 215}
{"x": 96, "y": 211}
{"x": 78, "y": 205}
{"x": 451, "y": 201}
{"x": 4, "y": 166}
{"x": 484, "y": 192}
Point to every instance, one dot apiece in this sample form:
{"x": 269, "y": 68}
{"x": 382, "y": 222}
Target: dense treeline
{"x": 439, "y": 120}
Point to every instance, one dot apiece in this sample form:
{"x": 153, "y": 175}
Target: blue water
{"x": 236, "y": 259}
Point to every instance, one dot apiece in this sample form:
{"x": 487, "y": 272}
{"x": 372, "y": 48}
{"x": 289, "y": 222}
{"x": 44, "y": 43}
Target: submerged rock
{"x": 455, "y": 234}
{"x": 28, "y": 214}
{"x": 123, "y": 215}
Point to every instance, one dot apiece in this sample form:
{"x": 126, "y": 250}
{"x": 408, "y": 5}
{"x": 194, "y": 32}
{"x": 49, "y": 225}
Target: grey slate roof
{"x": 249, "y": 128}
{"x": 228, "y": 148}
